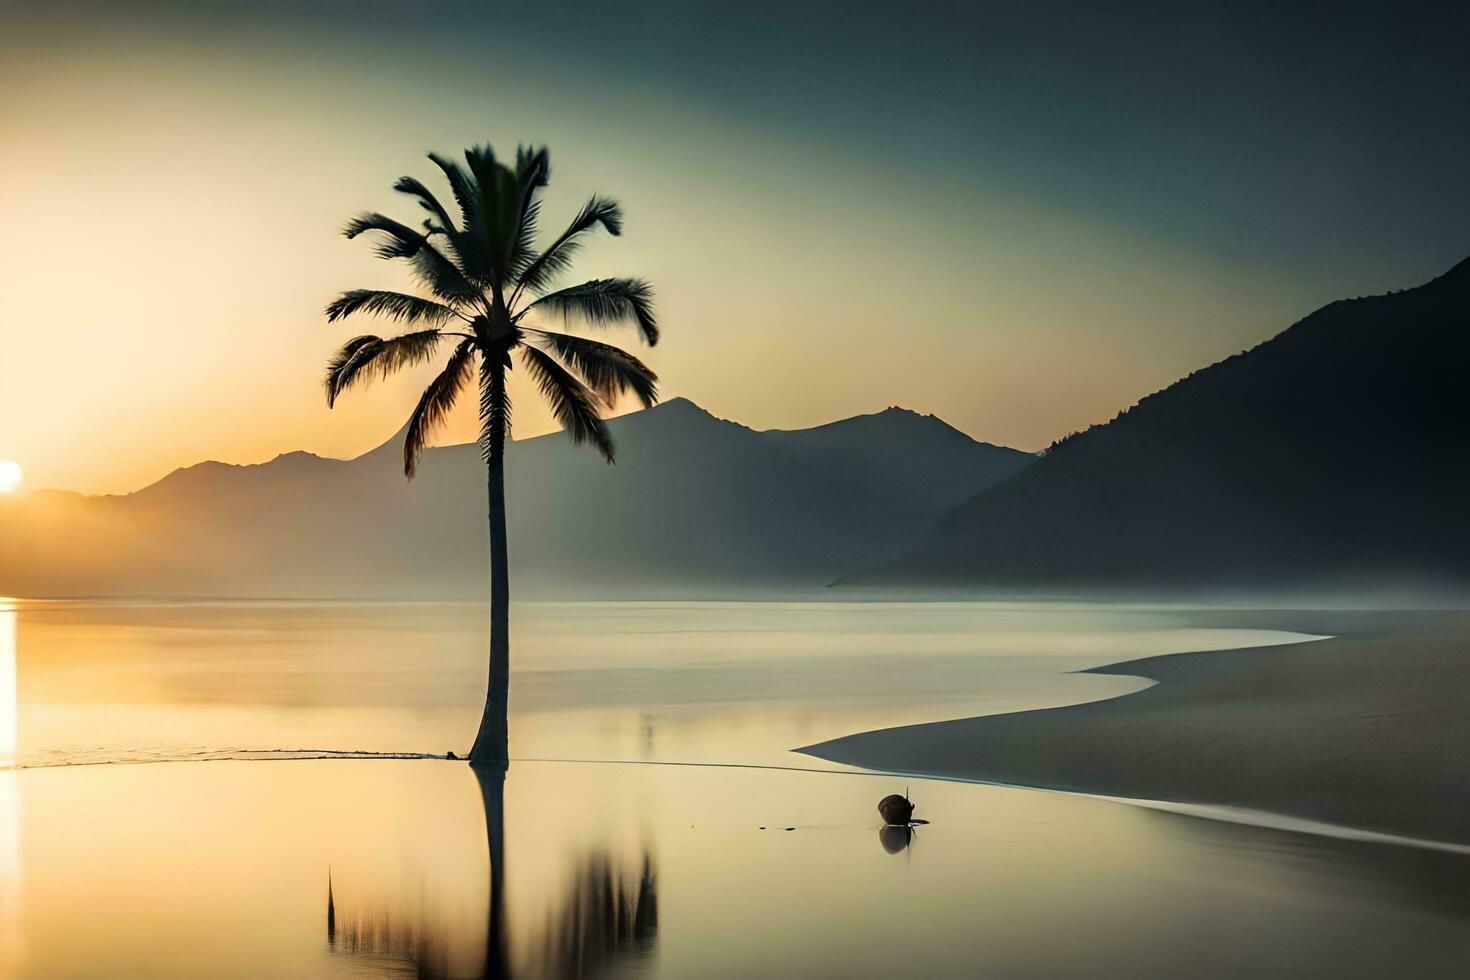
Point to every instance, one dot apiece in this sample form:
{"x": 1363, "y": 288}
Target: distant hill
{"x": 695, "y": 505}
{"x": 1336, "y": 453}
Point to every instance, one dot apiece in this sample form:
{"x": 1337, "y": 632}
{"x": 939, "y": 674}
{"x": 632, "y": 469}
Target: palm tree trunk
{"x": 492, "y": 741}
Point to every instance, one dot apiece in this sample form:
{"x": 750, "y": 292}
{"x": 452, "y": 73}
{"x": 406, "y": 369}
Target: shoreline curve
{"x": 1362, "y": 732}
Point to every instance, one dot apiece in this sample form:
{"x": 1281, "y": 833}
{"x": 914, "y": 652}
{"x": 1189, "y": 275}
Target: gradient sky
{"x": 1021, "y": 217}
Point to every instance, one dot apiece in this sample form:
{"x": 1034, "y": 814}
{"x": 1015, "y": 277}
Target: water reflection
{"x": 9, "y": 704}
{"x": 1400, "y": 877}
{"x": 895, "y": 838}
{"x": 607, "y": 922}
{"x": 690, "y": 682}
{"x": 9, "y": 803}
{"x": 1008, "y": 882}
{"x": 604, "y": 922}
{"x": 391, "y": 942}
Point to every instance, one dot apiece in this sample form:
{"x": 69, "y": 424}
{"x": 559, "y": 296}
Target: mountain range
{"x": 695, "y": 505}
{"x": 1334, "y": 454}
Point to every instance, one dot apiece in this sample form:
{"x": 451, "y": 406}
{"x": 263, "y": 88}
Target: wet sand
{"x": 1369, "y": 728}
{"x": 653, "y": 863}
{"x": 389, "y": 869}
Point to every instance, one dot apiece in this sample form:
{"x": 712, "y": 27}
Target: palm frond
{"x": 432, "y": 267}
{"x": 341, "y": 367}
{"x": 398, "y": 306}
{"x": 557, "y": 258}
{"x": 533, "y": 172}
{"x": 607, "y": 370}
{"x": 508, "y": 206}
{"x": 470, "y": 242}
{"x": 532, "y": 163}
{"x": 465, "y": 194}
{"x": 399, "y": 241}
{"x": 523, "y": 249}
{"x": 533, "y": 166}
{"x": 603, "y": 303}
{"x": 433, "y": 407}
{"x": 494, "y": 406}
{"x": 572, "y": 402}
{"x": 502, "y": 201}
{"x": 430, "y": 203}
{"x": 442, "y": 276}
{"x": 365, "y": 357}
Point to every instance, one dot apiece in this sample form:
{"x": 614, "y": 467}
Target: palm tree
{"x": 484, "y": 277}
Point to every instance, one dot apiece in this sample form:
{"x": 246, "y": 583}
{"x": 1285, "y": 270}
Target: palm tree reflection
{"x": 605, "y": 923}
{"x": 602, "y": 925}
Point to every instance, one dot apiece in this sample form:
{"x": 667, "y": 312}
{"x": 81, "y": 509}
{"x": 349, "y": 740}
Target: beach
{"x": 1366, "y": 728}
{"x": 259, "y": 788}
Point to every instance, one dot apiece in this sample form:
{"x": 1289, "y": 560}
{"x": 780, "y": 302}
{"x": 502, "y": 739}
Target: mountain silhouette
{"x": 696, "y": 505}
{"x": 1334, "y": 454}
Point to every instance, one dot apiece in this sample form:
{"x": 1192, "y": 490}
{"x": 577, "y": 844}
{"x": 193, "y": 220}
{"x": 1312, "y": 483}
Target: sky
{"x": 1019, "y": 217}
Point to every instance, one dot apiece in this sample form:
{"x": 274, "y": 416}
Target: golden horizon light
{"x": 10, "y": 475}
{"x": 9, "y": 705}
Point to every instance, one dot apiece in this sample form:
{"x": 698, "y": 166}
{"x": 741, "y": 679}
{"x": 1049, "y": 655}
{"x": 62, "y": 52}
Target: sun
{"x": 10, "y": 474}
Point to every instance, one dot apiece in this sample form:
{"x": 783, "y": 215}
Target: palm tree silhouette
{"x": 485, "y": 276}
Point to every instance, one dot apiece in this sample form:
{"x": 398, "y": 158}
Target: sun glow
{"x": 9, "y": 797}
{"x": 8, "y": 704}
{"x": 10, "y": 475}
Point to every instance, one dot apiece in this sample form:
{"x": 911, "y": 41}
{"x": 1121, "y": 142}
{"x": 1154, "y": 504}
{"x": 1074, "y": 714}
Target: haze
{"x": 1064, "y": 215}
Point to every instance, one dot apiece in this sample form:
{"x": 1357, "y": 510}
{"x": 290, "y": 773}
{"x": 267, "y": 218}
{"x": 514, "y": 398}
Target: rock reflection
{"x": 604, "y": 924}
{"x": 895, "y": 837}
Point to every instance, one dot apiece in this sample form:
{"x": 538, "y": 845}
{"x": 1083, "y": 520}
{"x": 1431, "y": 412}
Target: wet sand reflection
{"x": 605, "y": 920}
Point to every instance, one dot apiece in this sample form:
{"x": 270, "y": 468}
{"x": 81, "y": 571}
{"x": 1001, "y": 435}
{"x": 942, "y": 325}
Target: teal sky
{"x": 1020, "y": 219}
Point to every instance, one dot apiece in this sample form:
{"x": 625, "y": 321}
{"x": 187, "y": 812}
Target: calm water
{"x": 687, "y": 681}
{"x": 624, "y": 866}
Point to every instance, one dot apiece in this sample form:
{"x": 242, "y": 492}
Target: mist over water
{"x": 730, "y": 682}
{"x": 622, "y": 865}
